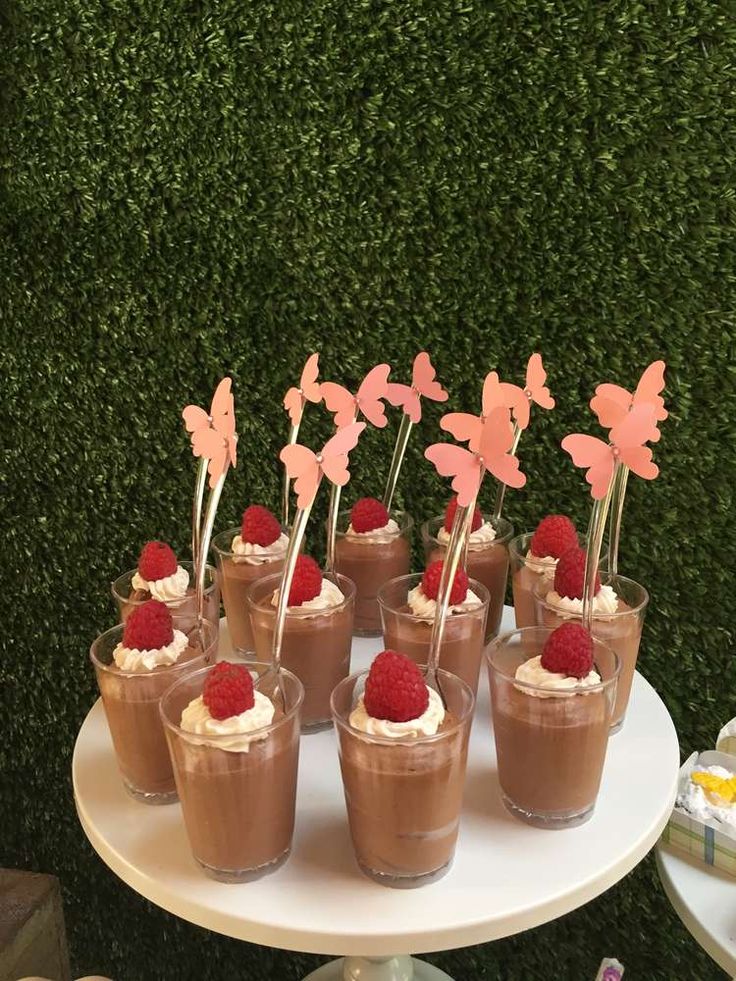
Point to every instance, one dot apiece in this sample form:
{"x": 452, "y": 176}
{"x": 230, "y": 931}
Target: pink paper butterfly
{"x": 422, "y": 383}
{"x": 611, "y": 402}
{"x": 213, "y": 436}
{"x": 346, "y": 406}
{"x": 308, "y": 467}
{"x": 627, "y": 439}
{"x": 309, "y": 390}
{"x": 468, "y": 428}
{"x": 535, "y": 390}
{"x": 466, "y": 466}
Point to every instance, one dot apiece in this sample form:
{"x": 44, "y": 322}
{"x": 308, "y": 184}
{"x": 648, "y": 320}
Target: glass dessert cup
{"x": 185, "y": 609}
{"x": 550, "y": 746}
{"x": 463, "y": 640}
{"x": 620, "y": 630}
{"x": 238, "y": 806}
{"x": 316, "y": 643}
{"x": 403, "y": 796}
{"x": 131, "y": 701}
{"x": 488, "y": 562}
{"x": 236, "y": 574}
{"x": 370, "y": 562}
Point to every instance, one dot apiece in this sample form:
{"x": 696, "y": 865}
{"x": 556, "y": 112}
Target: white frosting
{"x": 531, "y": 672}
{"x": 243, "y": 728}
{"x": 329, "y": 595}
{"x": 476, "y": 540}
{"x": 426, "y": 725}
{"x": 131, "y": 659}
{"x": 388, "y": 532}
{"x": 166, "y": 590}
{"x": 694, "y": 799}
{"x": 254, "y": 554}
{"x": 424, "y": 607}
{"x": 544, "y": 565}
{"x": 605, "y": 601}
{"x": 726, "y": 741}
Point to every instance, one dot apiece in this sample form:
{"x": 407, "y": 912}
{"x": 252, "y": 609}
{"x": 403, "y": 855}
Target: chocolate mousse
{"x": 534, "y": 557}
{"x": 403, "y": 756}
{"x": 235, "y": 755}
{"x": 551, "y": 718}
{"x": 317, "y": 634}
{"x": 372, "y": 546}
{"x": 135, "y": 663}
{"x": 245, "y": 555}
{"x": 408, "y": 606}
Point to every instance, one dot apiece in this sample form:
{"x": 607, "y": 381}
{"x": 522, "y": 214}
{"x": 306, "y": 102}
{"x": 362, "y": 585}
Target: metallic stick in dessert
{"x": 197, "y": 507}
{"x": 409, "y": 398}
{"x": 294, "y": 402}
{"x": 346, "y": 406}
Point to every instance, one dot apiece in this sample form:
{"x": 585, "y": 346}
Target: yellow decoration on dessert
{"x": 721, "y": 787}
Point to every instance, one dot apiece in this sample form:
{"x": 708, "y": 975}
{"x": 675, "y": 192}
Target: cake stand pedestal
{"x": 506, "y": 877}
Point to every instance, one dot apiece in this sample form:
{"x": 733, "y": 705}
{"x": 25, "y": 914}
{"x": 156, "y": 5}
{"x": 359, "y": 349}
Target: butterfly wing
{"x": 463, "y": 426}
{"x": 294, "y": 405}
{"x": 218, "y": 462}
{"x": 610, "y": 403}
{"x": 536, "y": 376}
{"x": 592, "y": 454}
{"x": 639, "y": 460}
{"x": 195, "y": 418}
{"x": 460, "y": 464}
{"x": 373, "y": 388}
{"x": 311, "y": 390}
{"x": 302, "y": 466}
{"x": 651, "y": 384}
{"x": 495, "y": 442}
{"x": 407, "y": 398}
{"x": 339, "y": 400}
{"x": 423, "y": 379}
{"x": 207, "y": 442}
{"x": 514, "y": 398}
{"x": 636, "y": 428}
{"x": 335, "y": 453}
{"x": 492, "y": 393}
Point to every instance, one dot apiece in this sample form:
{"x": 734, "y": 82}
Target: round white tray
{"x": 506, "y": 877}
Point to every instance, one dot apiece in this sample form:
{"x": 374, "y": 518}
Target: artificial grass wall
{"x": 193, "y": 188}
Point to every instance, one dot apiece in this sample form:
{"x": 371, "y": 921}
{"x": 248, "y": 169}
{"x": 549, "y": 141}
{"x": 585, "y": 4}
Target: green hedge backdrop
{"x": 192, "y": 188}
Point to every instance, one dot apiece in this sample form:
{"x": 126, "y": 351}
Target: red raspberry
{"x": 260, "y": 526}
{"x": 368, "y": 514}
{"x": 555, "y": 534}
{"x": 570, "y": 572}
{"x": 307, "y": 581}
{"x": 431, "y": 583}
{"x": 149, "y": 627}
{"x": 569, "y": 651}
{"x": 228, "y": 690}
{"x": 450, "y": 516}
{"x": 157, "y": 561}
{"x": 395, "y": 689}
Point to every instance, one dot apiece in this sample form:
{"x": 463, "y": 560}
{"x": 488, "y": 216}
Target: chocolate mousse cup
{"x": 238, "y": 807}
{"x": 127, "y": 598}
{"x": 131, "y": 700}
{"x": 315, "y": 646}
{"x": 463, "y": 640}
{"x": 550, "y": 747}
{"x": 488, "y": 562}
{"x": 236, "y": 574}
{"x": 370, "y": 562}
{"x": 620, "y": 630}
{"x": 404, "y": 796}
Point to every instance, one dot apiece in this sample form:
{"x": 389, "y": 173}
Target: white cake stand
{"x": 507, "y": 877}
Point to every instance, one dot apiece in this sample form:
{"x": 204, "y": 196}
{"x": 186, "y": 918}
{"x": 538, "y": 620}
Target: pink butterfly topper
{"x": 308, "y": 390}
{"x": 307, "y": 467}
{"x": 468, "y": 428}
{"x": 627, "y": 439}
{"x": 535, "y": 390}
{"x": 213, "y": 436}
{"x": 422, "y": 383}
{"x": 611, "y": 403}
{"x": 346, "y": 406}
{"x": 492, "y": 453}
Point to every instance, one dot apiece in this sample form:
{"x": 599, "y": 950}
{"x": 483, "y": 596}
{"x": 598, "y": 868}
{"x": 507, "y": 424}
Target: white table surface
{"x": 705, "y": 900}
{"x": 506, "y": 876}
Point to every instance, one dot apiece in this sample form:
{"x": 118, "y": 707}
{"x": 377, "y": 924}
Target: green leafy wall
{"x": 193, "y": 187}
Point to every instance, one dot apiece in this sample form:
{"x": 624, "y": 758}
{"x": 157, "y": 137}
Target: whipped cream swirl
{"x": 545, "y": 565}
{"x": 329, "y": 595}
{"x": 386, "y": 533}
{"x": 605, "y": 601}
{"x": 131, "y": 659}
{"x": 254, "y": 554}
{"x": 242, "y": 729}
{"x": 423, "y": 607}
{"x": 531, "y": 672}
{"x": 480, "y": 538}
{"x": 426, "y": 724}
{"x": 695, "y": 800}
{"x": 166, "y": 590}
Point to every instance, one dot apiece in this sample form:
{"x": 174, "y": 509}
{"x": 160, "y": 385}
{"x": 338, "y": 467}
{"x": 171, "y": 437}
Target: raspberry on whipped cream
{"x": 565, "y": 666}
{"x": 397, "y": 701}
{"x": 567, "y": 594}
{"x": 370, "y": 520}
{"x": 261, "y": 538}
{"x": 159, "y": 573}
{"x": 309, "y": 589}
{"x": 149, "y": 639}
{"x": 422, "y": 599}
{"x": 230, "y": 707}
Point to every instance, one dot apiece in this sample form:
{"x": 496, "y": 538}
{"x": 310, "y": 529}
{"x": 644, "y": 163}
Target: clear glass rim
{"x": 273, "y": 580}
{"x": 606, "y": 580}
{"x": 402, "y": 518}
{"x": 120, "y": 673}
{"x": 215, "y": 739}
{"x": 184, "y": 563}
{"x": 422, "y": 740}
{"x": 230, "y": 533}
{"x": 516, "y": 549}
{"x": 503, "y": 537}
{"x": 477, "y": 587}
{"x": 498, "y": 643}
